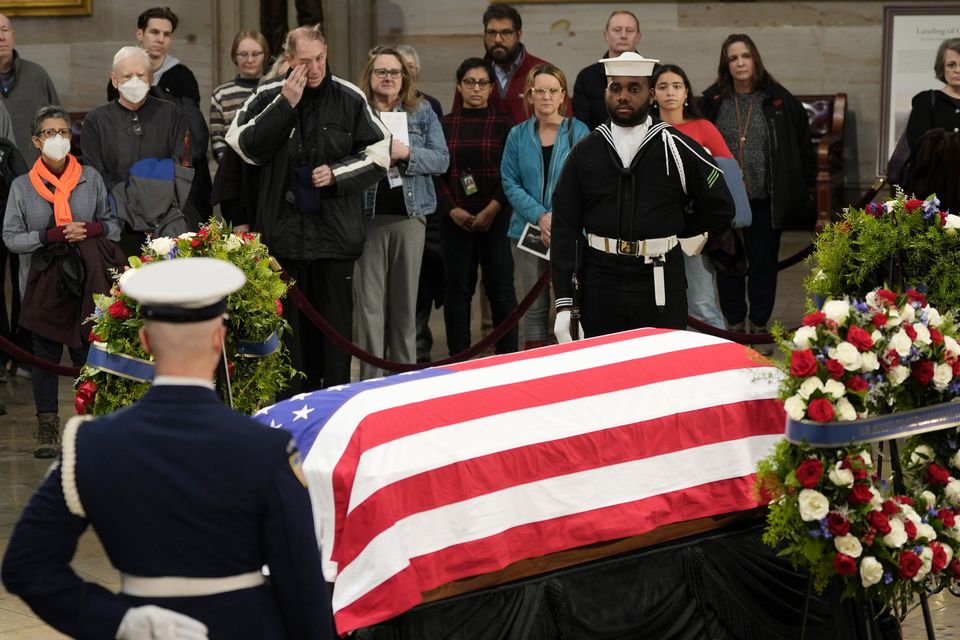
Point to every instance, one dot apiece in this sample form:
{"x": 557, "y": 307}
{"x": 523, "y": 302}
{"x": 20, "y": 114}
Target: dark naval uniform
{"x": 177, "y": 485}
{"x": 603, "y": 210}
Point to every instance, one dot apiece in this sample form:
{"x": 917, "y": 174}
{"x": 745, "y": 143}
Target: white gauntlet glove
{"x": 155, "y": 623}
{"x": 561, "y": 327}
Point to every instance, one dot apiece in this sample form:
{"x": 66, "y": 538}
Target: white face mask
{"x": 56, "y": 148}
{"x": 134, "y": 90}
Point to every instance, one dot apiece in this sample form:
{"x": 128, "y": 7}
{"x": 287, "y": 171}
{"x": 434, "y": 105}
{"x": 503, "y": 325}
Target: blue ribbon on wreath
{"x": 884, "y": 427}
{"x": 262, "y": 349}
{"x": 119, "y": 364}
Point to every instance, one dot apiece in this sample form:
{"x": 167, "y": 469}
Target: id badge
{"x": 393, "y": 178}
{"x": 469, "y": 184}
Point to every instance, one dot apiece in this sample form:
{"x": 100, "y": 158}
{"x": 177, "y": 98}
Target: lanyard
{"x": 742, "y": 130}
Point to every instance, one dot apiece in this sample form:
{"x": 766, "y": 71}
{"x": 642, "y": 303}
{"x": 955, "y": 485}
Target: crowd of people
{"x": 363, "y": 191}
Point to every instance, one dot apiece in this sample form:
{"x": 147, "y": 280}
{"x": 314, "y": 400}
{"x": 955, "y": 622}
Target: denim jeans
{"x": 701, "y": 294}
{"x": 46, "y": 386}
{"x": 529, "y": 267}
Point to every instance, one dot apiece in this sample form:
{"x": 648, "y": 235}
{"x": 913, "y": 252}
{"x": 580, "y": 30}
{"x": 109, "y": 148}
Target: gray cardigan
{"x": 32, "y": 88}
{"x": 28, "y": 216}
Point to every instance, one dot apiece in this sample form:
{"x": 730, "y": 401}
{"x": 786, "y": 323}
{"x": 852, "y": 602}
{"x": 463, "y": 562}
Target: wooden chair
{"x": 827, "y": 114}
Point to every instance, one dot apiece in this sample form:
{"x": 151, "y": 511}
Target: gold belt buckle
{"x": 628, "y": 248}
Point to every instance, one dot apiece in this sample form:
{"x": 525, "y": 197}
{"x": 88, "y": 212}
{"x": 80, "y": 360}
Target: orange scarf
{"x": 63, "y": 187}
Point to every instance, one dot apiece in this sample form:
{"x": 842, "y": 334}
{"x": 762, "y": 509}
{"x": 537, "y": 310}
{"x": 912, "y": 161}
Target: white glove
{"x": 155, "y": 623}
{"x": 561, "y": 327}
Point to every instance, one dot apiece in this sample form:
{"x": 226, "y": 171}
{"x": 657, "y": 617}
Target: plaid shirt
{"x": 476, "y": 138}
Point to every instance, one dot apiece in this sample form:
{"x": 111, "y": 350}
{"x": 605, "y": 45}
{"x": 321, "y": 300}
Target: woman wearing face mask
{"x": 386, "y": 275}
{"x": 57, "y": 204}
{"x": 532, "y": 159}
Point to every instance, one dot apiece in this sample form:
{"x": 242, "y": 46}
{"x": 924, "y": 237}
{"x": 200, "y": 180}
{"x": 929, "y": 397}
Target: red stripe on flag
{"x": 485, "y": 474}
{"x": 541, "y": 538}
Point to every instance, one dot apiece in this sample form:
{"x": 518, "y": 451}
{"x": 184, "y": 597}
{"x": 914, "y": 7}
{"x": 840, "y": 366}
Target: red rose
{"x": 857, "y": 384}
{"x": 912, "y": 205}
{"x": 879, "y": 320}
{"x": 194, "y": 243}
{"x": 909, "y": 330}
{"x": 802, "y": 363}
{"x": 146, "y": 259}
{"x": 859, "y": 495}
{"x": 890, "y": 508}
{"x": 939, "y": 557}
{"x": 935, "y": 336}
{"x": 844, "y": 565}
{"x": 84, "y": 397}
{"x": 820, "y": 410}
{"x": 838, "y": 525}
{"x": 946, "y": 516}
{"x": 813, "y": 319}
{"x": 859, "y": 472}
{"x": 885, "y": 295}
{"x": 893, "y": 358}
{"x": 279, "y": 306}
{"x": 910, "y": 564}
{"x": 915, "y": 296}
{"x": 859, "y": 338}
{"x": 879, "y": 522}
{"x": 834, "y": 367}
{"x": 956, "y": 367}
{"x": 93, "y": 337}
{"x": 119, "y": 310}
{"x": 943, "y": 218}
{"x": 937, "y": 475}
{"x": 809, "y": 473}
{"x": 955, "y": 568}
{"x": 922, "y": 372}
{"x": 910, "y": 528}
{"x": 903, "y": 500}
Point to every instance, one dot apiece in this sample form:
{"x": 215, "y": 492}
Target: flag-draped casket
{"x": 424, "y": 478}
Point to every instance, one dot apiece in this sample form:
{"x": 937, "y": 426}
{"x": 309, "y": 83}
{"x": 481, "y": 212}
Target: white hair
{"x": 130, "y": 52}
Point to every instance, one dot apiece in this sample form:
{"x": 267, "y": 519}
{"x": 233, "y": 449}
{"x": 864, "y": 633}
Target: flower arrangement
{"x": 831, "y": 519}
{"x": 860, "y": 357}
{"x": 905, "y": 241}
{"x": 255, "y": 317}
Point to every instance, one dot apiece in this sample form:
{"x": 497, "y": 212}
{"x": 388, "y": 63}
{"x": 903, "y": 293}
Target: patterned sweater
{"x": 476, "y": 138}
{"x": 224, "y": 103}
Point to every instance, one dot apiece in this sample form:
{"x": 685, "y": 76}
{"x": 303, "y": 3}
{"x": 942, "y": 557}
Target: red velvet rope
{"x": 33, "y": 361}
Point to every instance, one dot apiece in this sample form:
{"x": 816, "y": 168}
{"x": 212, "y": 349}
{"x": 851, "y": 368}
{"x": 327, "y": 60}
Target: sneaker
{"x": 47, "y": 436}
{"x": 23, "y": 372}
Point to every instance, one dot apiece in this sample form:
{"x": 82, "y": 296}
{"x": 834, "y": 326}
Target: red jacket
{"x": 512, "y": 102}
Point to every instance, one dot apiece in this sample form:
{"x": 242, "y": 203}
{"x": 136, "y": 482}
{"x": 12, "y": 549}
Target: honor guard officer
{"x": 629, "y": 195}
{"x": 189, "y": 498}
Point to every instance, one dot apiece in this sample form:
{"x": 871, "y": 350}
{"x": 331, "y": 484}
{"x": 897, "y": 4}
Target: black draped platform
{"x": 720, "y": 585}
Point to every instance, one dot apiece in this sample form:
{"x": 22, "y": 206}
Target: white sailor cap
{"x": 629, "y": 63}
{"x": 183, "y": 289}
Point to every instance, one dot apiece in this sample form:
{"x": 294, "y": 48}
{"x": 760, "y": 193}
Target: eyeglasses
{"x": 46, "y": 134}
{"x": 470, "y": 83}
{"x": 504, "y": 34}
{"x": 383, "y": 73}
{"x": 252, "y": 54}
{"x": 540, "y": 92}
{"x": 137, "y": 129}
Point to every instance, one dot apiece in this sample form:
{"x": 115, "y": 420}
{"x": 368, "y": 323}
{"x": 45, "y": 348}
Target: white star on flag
{"x": 304, "y": 413}
{"x": 301, "y": 396}
{"x": 262, "y": 412}
{"x": 274, "y": 424}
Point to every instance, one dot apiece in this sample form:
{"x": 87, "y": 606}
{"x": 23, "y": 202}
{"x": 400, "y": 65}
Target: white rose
{"x": 901, "y": 342}
{"x": 871, "y": 571}
{"x": 897, "y": 536}
{"x": 808, "y": 386}
{"x": 922, "y": 454}
{"x": 952, "y": 222}
{"x": 877, "y": 500}
{"x": 813, "y": 505}
{"x": 845, "y": 411}
{"x": 951, "y": 345}
{"x": 869, "y": 362}
{"x": 795, "y": 407}
{"x": 926, "y": 557}
{"x": 161, "y": 246}
{"x": 847, "y": 355}
{"x": 871, "y": 300}
{"x": 924, "y": 530}
{"x": 928, "y": 499}
{"x": 907, "y": 314}
{"x": 867, "y": 460}
{"x": 906, "y": 511}
{"x": 955, "y": 460}
{"x": 187, "y": 235}
{"x": 952, "y": 492}
{"x": 841, "y": 477}
{"x": 836, "y": 310}
{"x": 942, "y": 375}
{"x": 897, "y": 375}
{"x": 233, "y": 243}
{"x": 849, "y": 545}
{"x": 833, "y": 388}
{"x": 934, "y": 319}
{"x": 893, "y": 318}
{"x": 923, "y": 334}
{"x": 949, "y": 551}
{"x": 803, "y": 337}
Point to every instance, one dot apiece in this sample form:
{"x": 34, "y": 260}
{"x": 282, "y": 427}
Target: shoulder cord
{"x": 670, "y": 149}
{"x": 68, "y": 471}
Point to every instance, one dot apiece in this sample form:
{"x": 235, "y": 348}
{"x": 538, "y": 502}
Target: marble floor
{"x": 20, "y": 473}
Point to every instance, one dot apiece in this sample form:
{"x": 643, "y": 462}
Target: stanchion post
{"x": 806, "y": 608}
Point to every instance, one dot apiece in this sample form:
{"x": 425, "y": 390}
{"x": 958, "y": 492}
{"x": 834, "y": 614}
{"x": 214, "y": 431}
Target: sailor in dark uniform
{"x": 630, "y": 195}
{"x": 189, "y": 498}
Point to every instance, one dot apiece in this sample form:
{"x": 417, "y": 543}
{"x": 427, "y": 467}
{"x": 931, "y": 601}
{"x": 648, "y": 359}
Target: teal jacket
{"x": 522, "y": 170}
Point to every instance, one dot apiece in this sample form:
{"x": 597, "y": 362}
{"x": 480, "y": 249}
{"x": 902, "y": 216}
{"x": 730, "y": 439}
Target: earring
{"x": 685, "y": 103}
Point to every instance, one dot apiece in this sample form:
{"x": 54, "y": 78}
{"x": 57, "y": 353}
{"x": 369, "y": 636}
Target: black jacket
{"x": 792, "y": 160}
{"x": 331, "y": 125}
{"x": 589, "y": 91}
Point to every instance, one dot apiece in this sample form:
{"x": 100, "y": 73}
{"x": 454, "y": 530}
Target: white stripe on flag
{"x": 405, "y": 457}
{"x": 493, "y": 513}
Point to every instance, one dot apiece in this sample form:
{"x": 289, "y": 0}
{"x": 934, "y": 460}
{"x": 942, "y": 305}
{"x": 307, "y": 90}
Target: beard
{"x": 504, "y": 55}
{"x": 632, "y": 120}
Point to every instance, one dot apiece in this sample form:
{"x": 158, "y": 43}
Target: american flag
{"x": 424, "y": 478}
